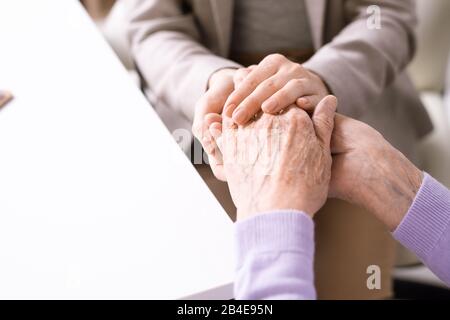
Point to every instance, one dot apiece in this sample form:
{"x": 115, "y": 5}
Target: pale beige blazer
{"x": 178, "y": 44}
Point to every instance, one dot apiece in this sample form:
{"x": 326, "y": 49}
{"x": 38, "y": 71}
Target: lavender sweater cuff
{"x": 275, "y": 255}
{"x": 425, "y": 229}
{"x": 275, "y": 231}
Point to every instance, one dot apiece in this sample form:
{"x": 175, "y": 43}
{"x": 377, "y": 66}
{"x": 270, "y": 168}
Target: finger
{"x": 209, "y": 119}
{"x": 227, "y": 123}
{"x": 226, "y": 139}
{"x": 248, "y": 85}
{"x": 215, "y": 155}
{"x": 241, "y": 74}
{"x": 208, "y": 141}
{"x": 252, "y": 104}
{"x": 293, "y": 111}
{"x": 287, "y": 95}
{"x": 216, "y": 131}
{"x": 308, "y": 103}
{"x": 342, "y": 124}
{"x": 209, "y": 103}
{"x": 323, "y": 119}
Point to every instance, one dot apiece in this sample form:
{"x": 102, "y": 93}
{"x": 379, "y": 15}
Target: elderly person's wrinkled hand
{"x": 368, "y": 171}
{"x": 279, "y": 161}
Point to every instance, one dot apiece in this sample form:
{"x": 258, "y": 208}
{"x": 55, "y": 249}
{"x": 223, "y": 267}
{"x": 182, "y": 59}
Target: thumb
{"x": 338, "y": 142}
{"x": 323, "y": 119}
{"x": 241, "y": 74}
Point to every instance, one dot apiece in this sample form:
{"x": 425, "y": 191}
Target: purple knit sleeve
{"x": 425, "y": 229}
{"x": 275, "y": 254}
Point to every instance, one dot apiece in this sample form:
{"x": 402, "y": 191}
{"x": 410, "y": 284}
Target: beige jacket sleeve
{"x": 360, "y": 62}
{"x": 168, "y": 52}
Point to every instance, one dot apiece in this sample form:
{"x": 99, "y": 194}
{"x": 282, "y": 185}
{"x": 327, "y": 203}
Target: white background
{"x": 96, "y": 199}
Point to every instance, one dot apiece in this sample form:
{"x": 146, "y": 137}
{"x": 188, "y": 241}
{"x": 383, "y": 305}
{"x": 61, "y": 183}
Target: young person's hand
{"x": 208, "y": 110}
{"x": 369, "y": 172}
{"x": 279, "y": 161}
{"x": 272, "y": 86}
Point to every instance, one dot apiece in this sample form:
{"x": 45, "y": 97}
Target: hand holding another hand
{"x": 283, "y": 162}
{"x": 279, "y": 162}
{"x": 208, "y": 110}
{"x": 367, "y": 170}
{"x": 273, "y": 85}
{"x": 371, "y": 173}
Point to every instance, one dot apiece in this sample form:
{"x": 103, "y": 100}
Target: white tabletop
{"x": 96, "y": 199}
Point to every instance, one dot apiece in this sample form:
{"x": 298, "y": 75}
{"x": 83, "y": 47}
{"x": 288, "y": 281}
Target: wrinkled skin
{"x": 209, "y": 108}
{"x": 271, "y": 86}
{"x": 279, "y": 162}
{"x": 369, "y": 172}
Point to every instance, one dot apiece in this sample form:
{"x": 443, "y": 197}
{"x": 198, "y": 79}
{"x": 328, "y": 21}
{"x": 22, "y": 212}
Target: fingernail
{"x": 269, "y": 106}
{"x": 240, "y": 115}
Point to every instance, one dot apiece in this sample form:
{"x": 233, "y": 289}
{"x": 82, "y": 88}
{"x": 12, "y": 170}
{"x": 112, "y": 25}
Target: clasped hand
{"x": 295, "y": 154}
{"x": 271, "y": 86}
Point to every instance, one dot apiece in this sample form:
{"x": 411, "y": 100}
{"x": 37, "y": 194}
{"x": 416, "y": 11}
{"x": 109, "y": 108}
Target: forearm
{"x": 369, "y": 172}
{"x": 387, "y": 186}
{"x": 425, "y": 229}
{"x": 411, "y": 204}
{"x": 167, "y": 49}
{"x": 275, "y": 254}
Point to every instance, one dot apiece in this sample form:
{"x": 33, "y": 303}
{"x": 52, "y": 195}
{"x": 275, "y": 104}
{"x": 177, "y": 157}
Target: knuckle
{"x": 296, "y": 83}
{"x": 241, "y": 73}
{"x": 270, "y": 84}
{"x": 275, "y": 58}
{"x": 296, "y": 69}
{"x": 266, "y": 121}
{"x": 301, "y": 118}
{"x": 253, "y": 82}
{"x": 249, "y": 84}
{"x": 238, "y": 76}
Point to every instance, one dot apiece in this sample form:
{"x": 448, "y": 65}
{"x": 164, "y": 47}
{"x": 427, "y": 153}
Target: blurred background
{"x": 430, "y": 72}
